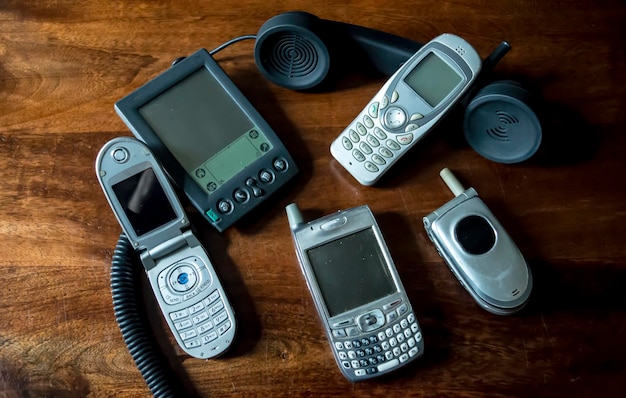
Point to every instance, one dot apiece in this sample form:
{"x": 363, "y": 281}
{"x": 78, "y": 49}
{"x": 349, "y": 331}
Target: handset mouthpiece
{"x": 451, "y": 181}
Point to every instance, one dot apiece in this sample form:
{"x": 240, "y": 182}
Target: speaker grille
{"x": 501, "y": 131}
{"x": 292, "y": 56}
{"x": 500, "y": 123}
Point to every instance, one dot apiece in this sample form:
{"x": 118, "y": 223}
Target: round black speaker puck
{"x": 500, "y": 123}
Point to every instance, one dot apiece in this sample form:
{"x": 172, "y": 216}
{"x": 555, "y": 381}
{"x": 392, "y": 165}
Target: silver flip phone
{"x": 478, "y": 250}
{"x": 181, "y": 274}
{"x": 364, "y": 309}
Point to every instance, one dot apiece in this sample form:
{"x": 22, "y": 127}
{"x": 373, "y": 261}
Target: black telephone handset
{"x": 299, "y": 51}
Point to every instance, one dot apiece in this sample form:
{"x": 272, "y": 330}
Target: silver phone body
{"x": 357, "y": 291}
{"x": 407, "y": 107}
{"x": 480, "y": 253}
{"x": 180, "y": 272}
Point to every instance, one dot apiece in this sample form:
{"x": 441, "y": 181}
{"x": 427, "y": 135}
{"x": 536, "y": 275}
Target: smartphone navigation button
{"x": 334, "y": 224}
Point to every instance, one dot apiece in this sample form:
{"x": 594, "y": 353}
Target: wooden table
{"x": 63, "y": 64}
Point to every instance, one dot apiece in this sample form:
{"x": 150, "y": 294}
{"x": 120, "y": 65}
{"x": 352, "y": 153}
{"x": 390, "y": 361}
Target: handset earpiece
{"x": 289, "y": 51}
{"x": 299, "y": 51}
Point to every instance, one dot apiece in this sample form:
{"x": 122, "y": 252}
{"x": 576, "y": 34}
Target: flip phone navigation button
{"x": 183, "y": 278}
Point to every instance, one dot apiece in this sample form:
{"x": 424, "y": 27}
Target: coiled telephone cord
{"x": 133, "y": 323}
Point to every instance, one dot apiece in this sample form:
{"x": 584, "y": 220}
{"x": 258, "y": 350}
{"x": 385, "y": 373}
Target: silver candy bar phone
{"x": 478, "y": 250}
{"x": 407, "y": 107}
{"x": 358, "y": 294}
{"x": 181, "y": 274}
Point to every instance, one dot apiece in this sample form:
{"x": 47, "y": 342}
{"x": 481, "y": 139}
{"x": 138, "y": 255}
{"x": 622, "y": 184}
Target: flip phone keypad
{"x": 202, "y": 322}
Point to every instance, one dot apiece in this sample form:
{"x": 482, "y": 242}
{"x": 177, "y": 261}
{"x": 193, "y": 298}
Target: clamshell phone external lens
{"x": 478, "y": 251}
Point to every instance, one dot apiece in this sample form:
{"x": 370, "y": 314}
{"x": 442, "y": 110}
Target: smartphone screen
{"x": 351, "y": 271}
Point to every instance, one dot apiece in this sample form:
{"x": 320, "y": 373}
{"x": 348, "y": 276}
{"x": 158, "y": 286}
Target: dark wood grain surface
{"x": 64, "y": 63}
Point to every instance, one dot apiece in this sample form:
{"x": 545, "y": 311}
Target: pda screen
{"x": 433, "y": 79}
{"x": 351, "y": 271}
{"x": 205, "y": 129}
{"x": 144, "y": 202}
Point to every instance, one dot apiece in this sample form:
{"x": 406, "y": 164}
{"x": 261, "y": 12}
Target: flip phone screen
{"x": 181, "y": 274}
{"x": 144, "y": 202}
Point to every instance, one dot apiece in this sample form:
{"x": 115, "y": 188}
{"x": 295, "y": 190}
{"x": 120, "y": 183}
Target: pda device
{"x": 357, "y": 291}
{"x": 479, "y": 251}
{"x": 181, "y": 274}
{"x": 409, "y": 105}
{"x": 209, "y": 138}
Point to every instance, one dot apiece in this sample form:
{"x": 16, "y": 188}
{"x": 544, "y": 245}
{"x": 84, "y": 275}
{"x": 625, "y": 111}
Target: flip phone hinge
{"x": 149, "y": 257}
